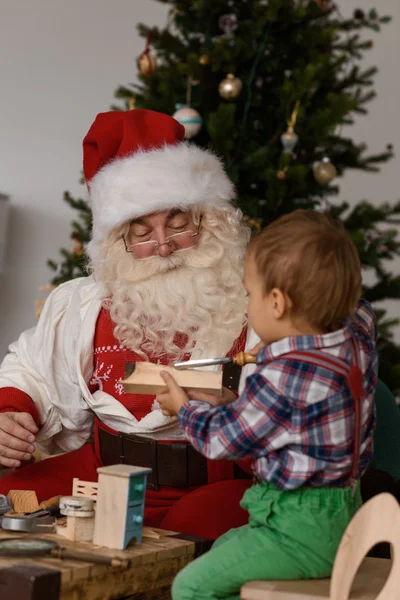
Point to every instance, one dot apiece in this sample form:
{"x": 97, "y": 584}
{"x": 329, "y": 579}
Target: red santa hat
{"x": 136, "y": 162}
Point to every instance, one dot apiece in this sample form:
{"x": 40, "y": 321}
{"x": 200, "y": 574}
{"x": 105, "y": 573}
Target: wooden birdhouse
{"x": 120, "y": 505}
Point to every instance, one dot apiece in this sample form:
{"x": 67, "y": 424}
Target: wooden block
{"x": 77, "y": 529}
{"x": 30, "y": 582}
{"x": 23, "y": 501}
{"x": 145, "y": 378}
{"x": 111, "y": 511}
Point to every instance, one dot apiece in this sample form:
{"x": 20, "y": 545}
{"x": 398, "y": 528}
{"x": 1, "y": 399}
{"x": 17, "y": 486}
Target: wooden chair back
{"x": 84, "y": 488}
{"x": 377, "y": 521}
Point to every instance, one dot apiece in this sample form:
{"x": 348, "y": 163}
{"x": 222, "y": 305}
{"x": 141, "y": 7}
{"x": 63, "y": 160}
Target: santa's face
{"x": 174, "y": 273}
{"x": 161, "y": 234}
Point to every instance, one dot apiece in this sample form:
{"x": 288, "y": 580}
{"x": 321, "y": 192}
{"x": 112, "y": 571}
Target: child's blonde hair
{"x": 310, "y": 257}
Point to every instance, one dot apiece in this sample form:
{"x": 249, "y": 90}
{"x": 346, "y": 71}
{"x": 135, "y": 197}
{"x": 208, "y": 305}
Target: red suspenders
{"x": 353, "y": 374}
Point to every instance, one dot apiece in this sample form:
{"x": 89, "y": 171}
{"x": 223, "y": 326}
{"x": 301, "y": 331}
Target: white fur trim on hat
{"x": 181, "y": 176}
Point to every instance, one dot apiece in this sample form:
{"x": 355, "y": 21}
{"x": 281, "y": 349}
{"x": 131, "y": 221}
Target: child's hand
{"x": 227, "y": 397}
{"x": 172, "y": 400}
{"x": 254, "y": 351}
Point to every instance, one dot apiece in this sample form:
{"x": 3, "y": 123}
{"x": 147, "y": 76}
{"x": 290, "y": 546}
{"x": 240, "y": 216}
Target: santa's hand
{"x": 227, "y": 397}
{"x": 172, "y": 400}
{"x": 17, "y": 434}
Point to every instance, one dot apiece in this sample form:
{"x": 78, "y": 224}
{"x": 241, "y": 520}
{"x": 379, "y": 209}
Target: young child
{"x": 305, "y": 417}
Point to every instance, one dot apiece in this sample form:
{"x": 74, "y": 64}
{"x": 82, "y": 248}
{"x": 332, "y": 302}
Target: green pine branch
{"x": 284, "y": 52}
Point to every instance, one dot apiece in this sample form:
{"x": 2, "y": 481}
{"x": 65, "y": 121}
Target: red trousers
{"x": 207, "y": 511}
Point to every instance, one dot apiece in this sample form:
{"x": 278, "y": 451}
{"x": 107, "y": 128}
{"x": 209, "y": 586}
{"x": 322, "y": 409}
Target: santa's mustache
{"x": 205, "y": 254}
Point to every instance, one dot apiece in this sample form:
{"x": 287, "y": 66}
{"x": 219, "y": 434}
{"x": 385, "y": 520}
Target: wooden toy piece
{"x": 378, "y": 520}
{"x": 145, "y": 378}
{"x": 77, "y": 529}
{"x": 88, "y": 489}
{"x": 120, "y": 505}
{"x": 23, "y": 501}
{"x": 80, "y": 514}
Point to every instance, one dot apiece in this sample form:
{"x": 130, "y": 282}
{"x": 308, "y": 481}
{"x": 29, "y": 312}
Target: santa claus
{"x": 165, "y": 284}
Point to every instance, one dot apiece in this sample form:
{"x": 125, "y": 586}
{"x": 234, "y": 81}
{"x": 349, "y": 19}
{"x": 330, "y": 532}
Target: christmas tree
{"x": 269, "y": 85}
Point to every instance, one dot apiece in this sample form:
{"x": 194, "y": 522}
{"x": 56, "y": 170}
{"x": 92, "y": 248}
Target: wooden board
{"x": 367, "y": 584}
{"x": 154, "y": 565}
{"x": 145, "y": 378}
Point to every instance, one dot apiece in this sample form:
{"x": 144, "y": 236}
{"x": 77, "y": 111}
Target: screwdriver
{"x": 47, "y": 507}
{"x": 241, "y": 359}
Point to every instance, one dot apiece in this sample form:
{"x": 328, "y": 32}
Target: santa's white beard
{"x": 197, "y": 293}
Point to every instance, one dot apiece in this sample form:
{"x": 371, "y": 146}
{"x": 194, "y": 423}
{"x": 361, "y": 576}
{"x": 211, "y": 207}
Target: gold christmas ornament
{"x": 324, "y": 5}
{"x": 204, "y": 59}
{"x": 254, "y": 224}
{"x": 324, "y": 171}
{"x": 146, "y": 63}
{"x": 132, "y": 102}
{"x": 230, "y": 87}
{"x": 281, "y": 174}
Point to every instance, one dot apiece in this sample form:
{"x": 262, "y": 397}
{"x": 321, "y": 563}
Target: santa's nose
{"x": 165, "y": 248}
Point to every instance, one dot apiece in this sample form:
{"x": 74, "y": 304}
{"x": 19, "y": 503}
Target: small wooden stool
{"x": 377, "y": 521}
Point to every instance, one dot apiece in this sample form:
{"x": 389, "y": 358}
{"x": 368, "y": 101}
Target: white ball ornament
{"x": 190, "y": 119}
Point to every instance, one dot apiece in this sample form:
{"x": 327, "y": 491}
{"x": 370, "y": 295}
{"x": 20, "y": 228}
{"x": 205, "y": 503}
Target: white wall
{"x": 382, "y": 125}
{"x": 59, "y": 65}
{"x": 60, "y": 62}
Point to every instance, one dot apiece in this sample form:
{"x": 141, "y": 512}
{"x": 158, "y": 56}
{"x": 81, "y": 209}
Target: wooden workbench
{"x": 154, "y": 565}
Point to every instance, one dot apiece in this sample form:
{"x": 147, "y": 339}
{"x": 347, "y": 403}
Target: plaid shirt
{"x": 295, "y": 419}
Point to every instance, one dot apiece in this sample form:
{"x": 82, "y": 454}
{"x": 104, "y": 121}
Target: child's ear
{"x": 279, "y": 303}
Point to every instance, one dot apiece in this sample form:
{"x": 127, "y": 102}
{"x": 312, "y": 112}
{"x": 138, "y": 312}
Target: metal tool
{"x": 5, "y": 505}
{"x": 47, "y": 507}
{"x": 241, "y": 359}
{"x": 29, "y": 524}
{"x": 40, "y": 547}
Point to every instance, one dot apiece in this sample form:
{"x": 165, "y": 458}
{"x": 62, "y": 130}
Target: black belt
{"x": 175, "y": 464}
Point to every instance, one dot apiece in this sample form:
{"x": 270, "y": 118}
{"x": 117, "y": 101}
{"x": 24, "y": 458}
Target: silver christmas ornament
{"x": 289, "y": 140}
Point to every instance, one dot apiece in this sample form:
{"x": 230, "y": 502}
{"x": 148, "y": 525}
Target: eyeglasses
{"x": 177, "y": 241}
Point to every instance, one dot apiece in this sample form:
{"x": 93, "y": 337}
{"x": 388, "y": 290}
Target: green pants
{"x": 290, "y": 535}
